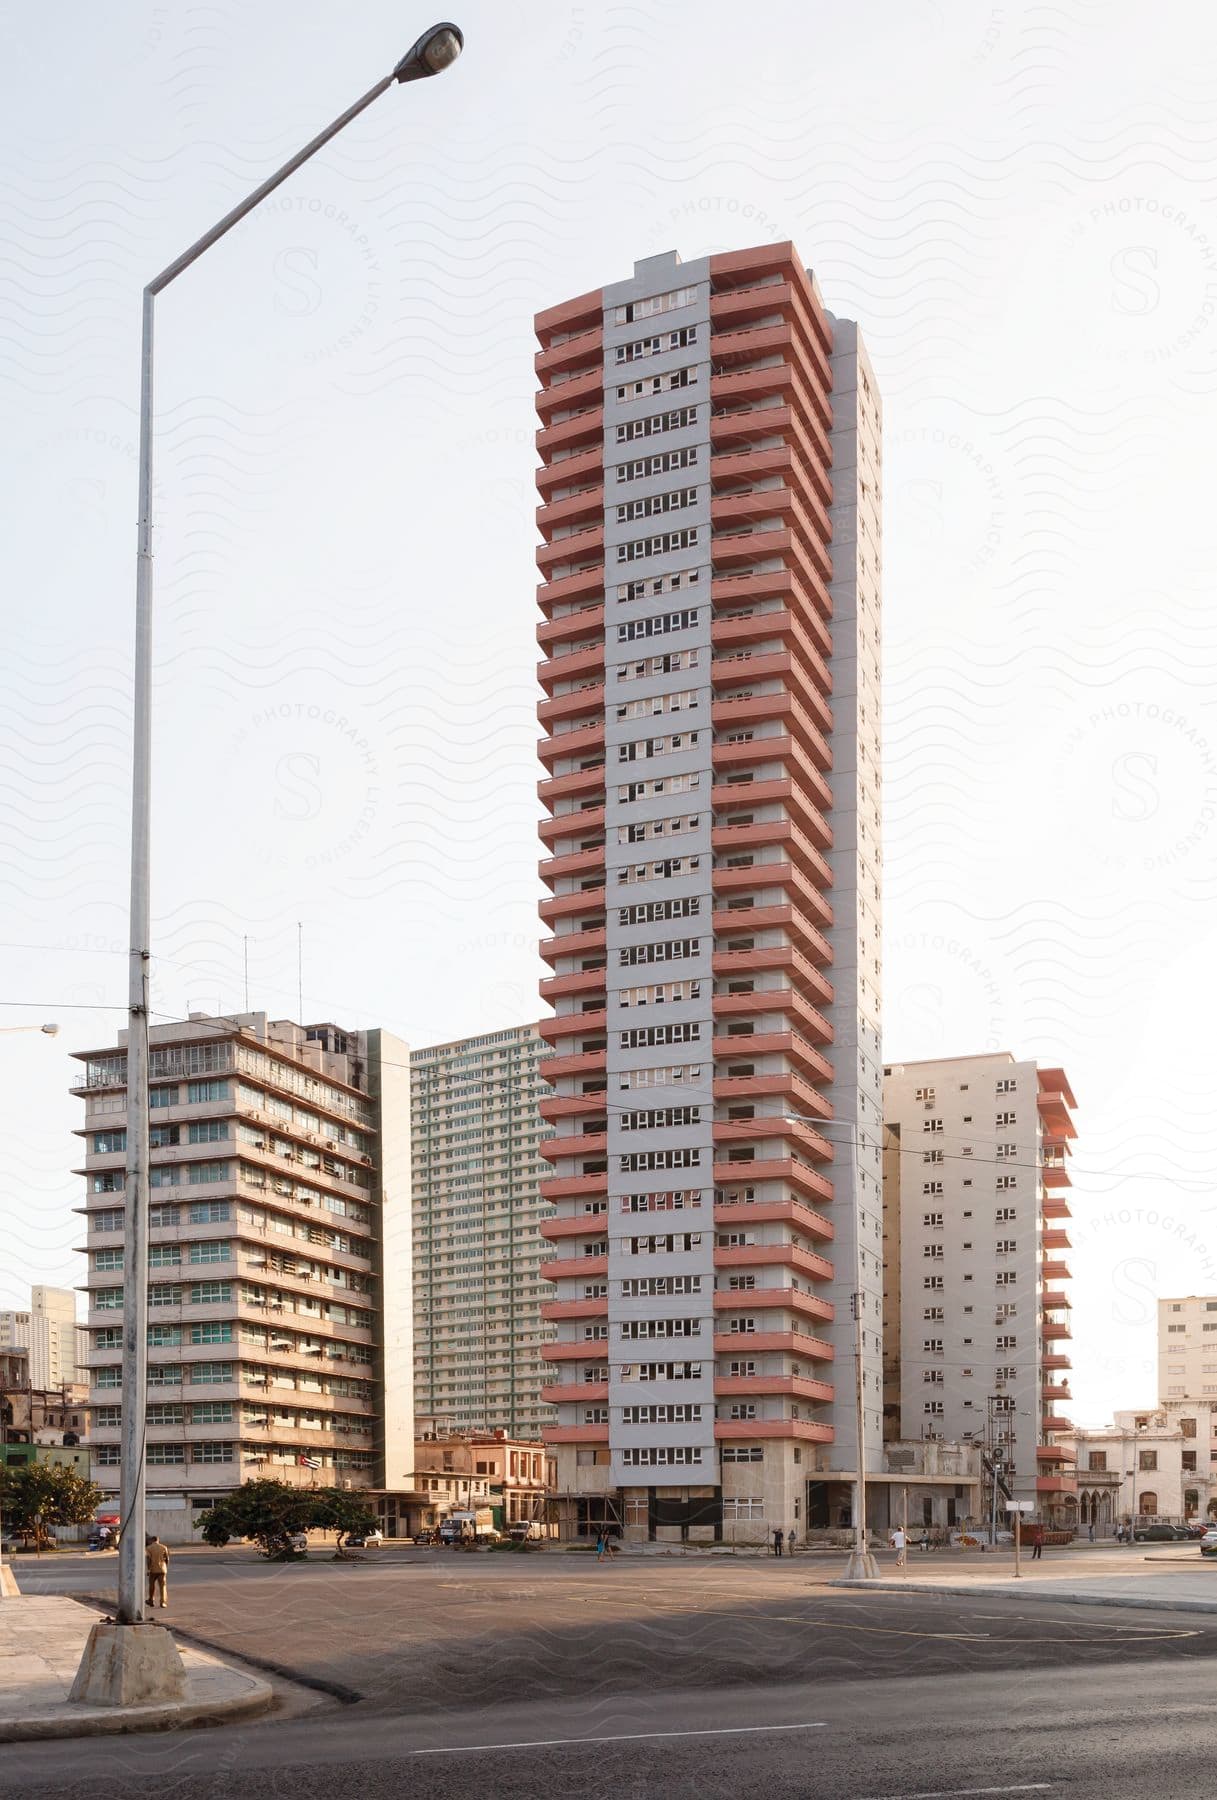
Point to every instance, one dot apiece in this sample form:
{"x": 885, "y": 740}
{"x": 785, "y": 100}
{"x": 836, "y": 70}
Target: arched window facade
{"x": 1148, "y": 1502}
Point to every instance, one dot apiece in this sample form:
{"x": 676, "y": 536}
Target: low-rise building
{"x": 1158, "y": 1464}
{"x": 40, "y": 1424}
{"x": 468, "y": 1470}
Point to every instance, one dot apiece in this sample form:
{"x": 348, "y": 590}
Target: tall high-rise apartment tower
{"x": 710, "y": 441}
{"x": 1187, "y": 1348}
{"x": 279, "y": 1339}
{"x": 477, "y": 1171}
{"x": 977, "y": 1242}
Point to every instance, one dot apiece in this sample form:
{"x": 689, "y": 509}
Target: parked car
{"x": 8, "y": 1545}
{"x": 1208, "y": 1543}
{"x": 1157, "y": 1534}
{"x": 364, "y": 1540}
{"x": 298, "y": 1540}
{"x": 1195, "y": 1529}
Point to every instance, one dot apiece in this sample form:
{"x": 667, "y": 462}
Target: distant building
{"x": 974, "y": 1245}
{"x": 279, "y": 1282}
{"x": 1187, "y": 1348}
{"x": 477, "y": 1169}
{"x": 41, "y": 1424}
{"x": 1155, "y": 1464}
{"x": 456, "y": 1470}
{"x": 49, "y": 1333}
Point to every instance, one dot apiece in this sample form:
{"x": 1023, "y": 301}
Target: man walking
{"x": 898, "y": 1545}
{"x": 156, "y": 1557}
{"x": 777, "y": 1541}
{"x": 1037, "y": 1544}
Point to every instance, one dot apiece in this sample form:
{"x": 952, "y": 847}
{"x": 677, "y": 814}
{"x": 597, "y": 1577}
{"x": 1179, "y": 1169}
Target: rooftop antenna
{"x": 299, "y": 972}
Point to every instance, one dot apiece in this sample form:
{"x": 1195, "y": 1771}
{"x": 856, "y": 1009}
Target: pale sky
{"x": 1020, "y": 206}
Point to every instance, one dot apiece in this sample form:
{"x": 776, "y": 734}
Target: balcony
{"x": 582, "y": 347}
{"x": 573, "y": 1187}
{"x": 585, "y": 902}
{"x": 786, "y": 1084}
{"x": 782, "y": 748}
{"x": 784, "y": 1002}
{"x": 1055, "y": 1484}
{"x": 768, "y": 1256}
{"x": 574, "y": 1393}
{"x": 585, "y": 621}
{"x": 1055, "y": 1271}
{"x": 571, "y": 1268}
{"x": 571, "y": 1024}
{"x": 588, "y": 1143}
{"x": 577, "y": 1434}
{"x": 802, "y": 1430}
{"x": 594, "y": 1350}
{"x": 585, "y": 662}
{"x": 579, "y": 981}
{"x": 587, "y": 467}
{"x": 807, "y": 1060}
{"x": 577, "y": 824}
{"x": 587, "y": 429}
{"x": 588, "y": 1225}
{"x": 745, "y": 1343}
{"x": 585, "y": 740}
{"x": 786, "y": 1169}
{"x": 585, "y": 387}
{"x": 732, "y": 1214}
{"x": 577, "y": 1062}
{"x": 596, "y": 1308}
{"x": 578, "y": 862}
{"x": 800, "y": 1387}
{"x": 744, "y": 587}
{"x": 572, "y": 943}
{"x": 771, "y": 708}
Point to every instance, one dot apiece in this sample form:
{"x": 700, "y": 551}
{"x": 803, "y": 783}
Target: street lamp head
{"x": 432, "y": 54}
{"x": 51, "y": 1030}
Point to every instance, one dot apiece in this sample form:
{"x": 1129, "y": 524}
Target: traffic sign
{"x": 1020, "y": 1506}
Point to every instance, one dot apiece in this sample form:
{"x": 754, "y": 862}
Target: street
{"x": 450, "y": 1675}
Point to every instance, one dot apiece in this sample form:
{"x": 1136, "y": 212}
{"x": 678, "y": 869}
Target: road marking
{"x": 627, "y": 1737}
{"x": 1027, "y": 1787}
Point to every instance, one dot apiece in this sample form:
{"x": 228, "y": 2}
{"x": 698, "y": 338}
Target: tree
{"x": 38, "y": 1495}
{"x": 271, "y": 1512}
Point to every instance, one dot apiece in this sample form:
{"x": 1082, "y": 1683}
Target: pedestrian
{"x": 1092, "y": 1534}
{"x": 790, "y": 1542}
{"x": 777, "y": 1541}
{"x": 156, "y": 1559}
{"x": 897, "y": 1542}
{"x": 925, "y": 1542}
{"x": 1037, "y": 1543}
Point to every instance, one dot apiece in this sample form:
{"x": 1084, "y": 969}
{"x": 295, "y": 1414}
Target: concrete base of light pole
{"x": 129, "y": 1665}
{"x": 861, "y": 1566}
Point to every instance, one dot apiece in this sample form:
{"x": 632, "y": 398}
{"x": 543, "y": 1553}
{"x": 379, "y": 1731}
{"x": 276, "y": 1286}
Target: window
{"x": 207, "y": 1131}
{"x": 936, "y": 1252}
{"x": 164, "y": 1412}
{"x": 743, "y": 1453}
{"x": 164, "y": 1374}
{"x": 209, "y": 1212}
{"x": 211, "y": 1453}
{"x": 934, "y": 1407}
{"x": 164, "y": 1334}
{"x": 662, "y": 545}
{"x": 210, "y": 1293}
{"x": 106, "y": 1143}
{"x": 164, "y": 1453}
{"x": 164, "y": 1256}
{"x": 203, "y": 1373}
{"x": 107, "y": 1259}
{"x": 211, "y": 1331}
{"x": 198, "y": 1174}
{"x": 198, "y": 1092}
{"x": 660, "y": 1456}
{"x": 934, "y": 1126}
{"x": 1007, "y": 1085}
{"x": 213, "y": 1252}
{"x": 925, "y": 1095}
{"x": 1147, "y": 1459}
{"x": 109, "y": 1456}
{"x": 658, "y": 624}
{"x": 163, "y": 1096}
{"x": 1187, "y": 1427}
{"x": 1097, "y": 1461}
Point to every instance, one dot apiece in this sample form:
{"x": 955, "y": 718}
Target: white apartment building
{"x": 712, "y": 568}
{"x": 49, "y": 1334}
{"x": 1187, "y": 1348}
{"x": 279, "y": 1336}
{"x": 978, "y": 1260}
{"x": 477, "y": 1170}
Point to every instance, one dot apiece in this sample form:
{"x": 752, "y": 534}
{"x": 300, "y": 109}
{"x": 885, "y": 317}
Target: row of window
{"x": 635, "y": 549}
{"x": 108, "y": 1456}
{"x": 648, "y": 506}
{"x": 671, "y": 662}
{"x": 658, "y": 624}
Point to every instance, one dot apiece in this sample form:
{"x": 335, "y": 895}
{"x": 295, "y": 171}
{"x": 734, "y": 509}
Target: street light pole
{"x": 435, "y": 51}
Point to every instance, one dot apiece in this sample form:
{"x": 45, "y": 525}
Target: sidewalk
{"x": 42, "y": 1637}
{"x": 1166, "y": 1582}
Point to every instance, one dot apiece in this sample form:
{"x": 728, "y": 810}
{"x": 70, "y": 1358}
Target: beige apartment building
{"x": 279, "y": 1336}
{"x": 49, "y": 1334}
{"x": 477, "y": 1168}
{"x": 975, "y": 1250}
{"x": 1187, "y": 1348}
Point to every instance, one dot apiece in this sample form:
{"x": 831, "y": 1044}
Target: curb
{"x": 165, "y": 1716}
{"x": 1033, "y": 1592}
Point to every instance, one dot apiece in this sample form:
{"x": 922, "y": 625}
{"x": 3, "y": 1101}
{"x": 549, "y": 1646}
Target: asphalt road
{"x": 547, "y": 1676}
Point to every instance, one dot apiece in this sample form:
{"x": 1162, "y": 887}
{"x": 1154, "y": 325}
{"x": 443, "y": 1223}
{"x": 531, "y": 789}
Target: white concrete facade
{"x": 983, "y": 1311}
{"x": 1153, "y": 1463}
{"x": 51, "y": 1337}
